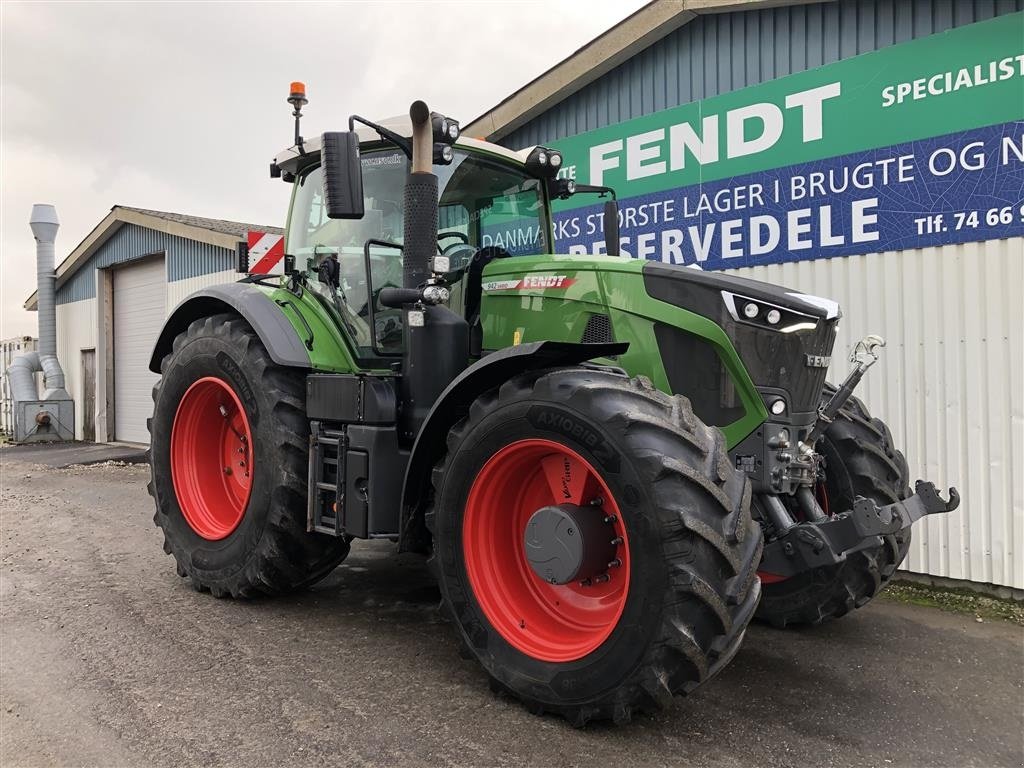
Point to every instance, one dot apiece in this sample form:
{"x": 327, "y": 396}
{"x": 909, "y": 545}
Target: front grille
{"x": 779, "y": 360}
{"x": 598, "y": 330}
{"x": 694, "y": 369}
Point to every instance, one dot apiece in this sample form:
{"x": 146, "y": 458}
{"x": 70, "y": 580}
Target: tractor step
{"x": 353, "y": 489}
{"x": 326, "y": 494}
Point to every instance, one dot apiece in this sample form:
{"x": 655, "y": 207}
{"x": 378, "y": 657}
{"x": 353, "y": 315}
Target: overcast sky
{"x": 180, "y": 106}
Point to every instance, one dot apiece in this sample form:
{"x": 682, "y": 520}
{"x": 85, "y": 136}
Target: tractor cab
{"x": 492, "y": 203}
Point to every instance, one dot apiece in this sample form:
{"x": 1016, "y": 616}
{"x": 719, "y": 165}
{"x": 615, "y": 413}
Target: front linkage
{"x": 821, "y": 541}
{"x": 809, "y": 545}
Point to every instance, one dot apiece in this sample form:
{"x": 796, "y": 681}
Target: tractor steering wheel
{"x": 445, "y": 235}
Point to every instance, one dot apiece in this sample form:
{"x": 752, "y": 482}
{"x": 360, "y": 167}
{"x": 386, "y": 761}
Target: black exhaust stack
{"x": 420, "y": 201}
{"x": 435, "y": 346}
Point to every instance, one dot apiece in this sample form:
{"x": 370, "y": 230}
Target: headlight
{"x": 761, "y": 313}
{"x": 561, "y": 189}
{"x": 444, "y": 128}
{"x": 542, "y": 164}
{"x": 443, "y": 153}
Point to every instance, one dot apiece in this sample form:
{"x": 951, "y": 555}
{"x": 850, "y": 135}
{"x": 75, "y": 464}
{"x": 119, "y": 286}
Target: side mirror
{"x": 343, "y": 175}
{"x": 611, "y": 227}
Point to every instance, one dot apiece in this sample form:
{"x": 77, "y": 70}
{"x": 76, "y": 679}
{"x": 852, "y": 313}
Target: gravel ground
{"x": 108, "y": 658}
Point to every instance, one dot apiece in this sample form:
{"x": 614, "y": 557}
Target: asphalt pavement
{"x": 108, "y": 658}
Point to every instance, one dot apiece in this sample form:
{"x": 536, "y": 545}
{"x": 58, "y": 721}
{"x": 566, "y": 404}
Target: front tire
{"x": 673, "y": 611}
{"x": 228, "y": 459}
{"x": 860, "y": 460}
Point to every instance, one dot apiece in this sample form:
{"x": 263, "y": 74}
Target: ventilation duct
{"x": 51, "y": 417}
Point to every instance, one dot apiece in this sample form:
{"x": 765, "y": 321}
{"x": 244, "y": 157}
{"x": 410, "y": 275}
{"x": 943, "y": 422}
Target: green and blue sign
{"x": 915, "y": 145}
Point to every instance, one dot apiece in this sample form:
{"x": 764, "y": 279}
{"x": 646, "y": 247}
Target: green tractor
{"x": 613, "y": 465}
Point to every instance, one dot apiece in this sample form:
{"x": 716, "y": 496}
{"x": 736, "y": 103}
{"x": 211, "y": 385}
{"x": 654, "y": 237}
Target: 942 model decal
{"x": 530, "y": 281}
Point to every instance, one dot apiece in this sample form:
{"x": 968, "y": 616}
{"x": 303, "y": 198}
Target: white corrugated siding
{"x": 179, "y": 290}
{"x": 950, "y": 386}
{"x": 76, "y": 330}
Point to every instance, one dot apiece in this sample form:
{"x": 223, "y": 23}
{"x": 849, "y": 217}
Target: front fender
{"x": 277, "y": 334}
{"x": 487, "y": 373}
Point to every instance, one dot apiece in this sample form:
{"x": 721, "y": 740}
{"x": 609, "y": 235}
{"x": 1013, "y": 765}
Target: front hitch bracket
{"x": 809, "y": 545}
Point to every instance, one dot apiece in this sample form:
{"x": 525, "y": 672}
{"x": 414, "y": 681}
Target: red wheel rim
{"x": 550, "y": 622}
{"x": 211, "y": 458}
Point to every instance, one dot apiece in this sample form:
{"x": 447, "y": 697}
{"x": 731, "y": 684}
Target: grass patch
{"x": 961, "y": 601}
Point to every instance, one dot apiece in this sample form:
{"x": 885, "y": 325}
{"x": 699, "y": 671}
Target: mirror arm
{"x": 394, "y": 138}
{"x": 598, "y": 190}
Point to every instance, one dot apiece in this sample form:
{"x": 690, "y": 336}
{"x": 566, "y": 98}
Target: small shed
{"x": 114, "y": 291}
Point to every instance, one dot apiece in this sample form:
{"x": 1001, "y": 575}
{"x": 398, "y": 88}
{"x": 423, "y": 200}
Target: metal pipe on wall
{"x": 44, "y": 223}
{"x": 50, "y": 417}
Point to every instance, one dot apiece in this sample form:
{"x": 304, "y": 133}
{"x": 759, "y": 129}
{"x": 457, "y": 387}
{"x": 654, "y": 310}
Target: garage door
{"x": 139, "y": 295}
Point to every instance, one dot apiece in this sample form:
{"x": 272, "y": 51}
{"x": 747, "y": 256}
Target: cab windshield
{"x": 482, "y": 203}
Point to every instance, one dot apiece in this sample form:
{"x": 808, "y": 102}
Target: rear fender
{"x": 489, "y": 372}
{"x": 253, "y": 305}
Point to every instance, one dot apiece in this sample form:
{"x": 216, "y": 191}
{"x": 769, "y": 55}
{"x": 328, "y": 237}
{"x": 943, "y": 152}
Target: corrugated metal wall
{"x": 185, "y": 258}
{"x": 949, "y": 385}
{"x": 724, "y": 52}
{"x": 180, "y": 290}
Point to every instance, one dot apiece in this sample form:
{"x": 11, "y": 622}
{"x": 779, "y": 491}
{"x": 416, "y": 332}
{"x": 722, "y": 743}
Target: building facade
{"x": 869, "y": 151}
{"x": 114, "y": 292}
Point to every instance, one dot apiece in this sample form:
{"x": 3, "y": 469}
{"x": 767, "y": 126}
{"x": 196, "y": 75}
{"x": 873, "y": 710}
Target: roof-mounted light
{"x": 297, "y": 96}
{"x": 446, "y": 130}
{"x": 544, "y": 162}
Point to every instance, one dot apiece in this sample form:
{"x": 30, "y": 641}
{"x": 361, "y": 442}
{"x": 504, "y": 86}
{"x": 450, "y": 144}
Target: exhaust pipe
{"x": 435, "y": 341}
{"x": 420, "y": 202}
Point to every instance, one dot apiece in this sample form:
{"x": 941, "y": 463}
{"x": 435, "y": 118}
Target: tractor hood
{"x": 691, "y": 332}
{"x": 693, "y": 289}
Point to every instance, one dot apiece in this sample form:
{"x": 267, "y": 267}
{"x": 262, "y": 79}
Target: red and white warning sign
{"x": 266, "y": 253}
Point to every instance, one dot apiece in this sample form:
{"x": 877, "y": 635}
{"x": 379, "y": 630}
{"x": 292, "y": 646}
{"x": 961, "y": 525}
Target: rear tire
{"x": 268, "y": 551}
{"x": 860, "y": 460}
{"x": 692, "y": 548}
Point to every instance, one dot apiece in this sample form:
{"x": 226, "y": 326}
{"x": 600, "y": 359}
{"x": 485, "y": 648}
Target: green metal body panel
{"x": 329, "y": 349}
{"x": 602, "y": 285}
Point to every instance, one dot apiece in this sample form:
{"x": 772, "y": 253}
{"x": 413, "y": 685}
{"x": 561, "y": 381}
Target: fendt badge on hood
{"x": 530, "y": 281}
